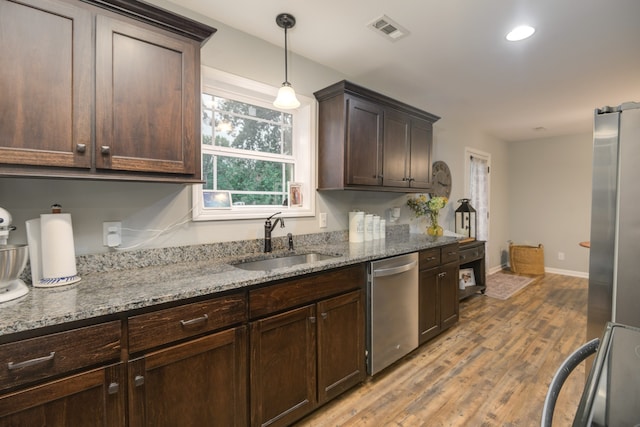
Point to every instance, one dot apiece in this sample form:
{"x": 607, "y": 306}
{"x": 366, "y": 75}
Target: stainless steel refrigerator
{"x": 614, "y": 259}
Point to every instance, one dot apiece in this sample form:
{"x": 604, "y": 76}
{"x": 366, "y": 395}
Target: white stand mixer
{"x": 13, "y": 259}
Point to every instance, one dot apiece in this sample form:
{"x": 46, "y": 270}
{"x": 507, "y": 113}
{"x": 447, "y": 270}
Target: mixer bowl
{"x": 13, "y": 259}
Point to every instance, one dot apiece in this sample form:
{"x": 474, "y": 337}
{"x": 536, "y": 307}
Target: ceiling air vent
{"x": 388, "y": 28}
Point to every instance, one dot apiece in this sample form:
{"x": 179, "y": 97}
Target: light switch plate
{"x": 323, "y": 220}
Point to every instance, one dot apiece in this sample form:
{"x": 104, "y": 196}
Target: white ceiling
{"x": 456, "y": 62}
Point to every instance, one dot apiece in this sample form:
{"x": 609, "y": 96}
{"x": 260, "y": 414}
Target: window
{"x": 253, "y": 154}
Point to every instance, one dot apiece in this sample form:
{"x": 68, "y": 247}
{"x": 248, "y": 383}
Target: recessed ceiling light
{"x": 520, "y": 33}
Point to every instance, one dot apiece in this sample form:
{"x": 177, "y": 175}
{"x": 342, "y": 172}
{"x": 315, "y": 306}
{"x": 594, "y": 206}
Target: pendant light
{"x": 286, "y": 98}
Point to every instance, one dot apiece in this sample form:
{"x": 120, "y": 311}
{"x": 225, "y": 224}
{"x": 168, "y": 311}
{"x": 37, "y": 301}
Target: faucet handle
{"x": 277, "y": 213}
{"x": 281, "y": 222}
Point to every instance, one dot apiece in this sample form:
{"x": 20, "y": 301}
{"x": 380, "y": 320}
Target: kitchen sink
{"x": 282, "y": 261}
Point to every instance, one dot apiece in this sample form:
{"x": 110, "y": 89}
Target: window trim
{"x": 304, "y": 138}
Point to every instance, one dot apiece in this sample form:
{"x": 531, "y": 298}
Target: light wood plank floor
{"x": 492, "y": 369}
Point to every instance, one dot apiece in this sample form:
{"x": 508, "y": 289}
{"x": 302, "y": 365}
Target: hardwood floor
{"x": 492, "y": 369}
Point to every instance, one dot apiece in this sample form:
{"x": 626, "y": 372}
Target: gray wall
{"x": 550, "y": 198}
{"x": 149, "y": 207}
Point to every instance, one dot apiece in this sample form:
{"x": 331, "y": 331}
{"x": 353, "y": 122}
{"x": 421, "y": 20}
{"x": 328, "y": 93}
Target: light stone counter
{"x": 124, "y": 282}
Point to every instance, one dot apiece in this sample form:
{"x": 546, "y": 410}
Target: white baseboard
{"x": 583, "y": 274}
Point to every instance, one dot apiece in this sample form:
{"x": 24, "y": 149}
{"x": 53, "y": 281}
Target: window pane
{"x": 249, "y": 180}
{"x": 239, "y": 125}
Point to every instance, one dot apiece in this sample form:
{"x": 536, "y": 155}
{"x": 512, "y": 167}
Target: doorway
{"x": 477, "y": 187}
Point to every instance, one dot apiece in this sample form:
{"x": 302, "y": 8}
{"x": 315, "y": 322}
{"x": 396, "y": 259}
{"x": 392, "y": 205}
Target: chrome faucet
{"x": 268, "y": 228}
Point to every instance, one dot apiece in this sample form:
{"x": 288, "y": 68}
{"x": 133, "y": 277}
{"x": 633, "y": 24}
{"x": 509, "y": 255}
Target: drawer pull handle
{"x": 431, "y": 258}
{"x": 195, "y": 321}
{"x": 463, "y": 257}
{"x": 443, "y": 274}
{"x": 138, "y": 380}
{"x": 451, "y": 253}
{"x": 113, "y": 388}
{"x": 13, "y": 366}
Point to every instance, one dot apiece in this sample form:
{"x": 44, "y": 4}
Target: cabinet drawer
{"x": 429, "y": 258}
{"x": 449, "y": 254}
{"x": 471, "y": 254}
{"x": 172, "y": 324}
{"x": 296, "y": 292}
{"x": 33, "y": 359}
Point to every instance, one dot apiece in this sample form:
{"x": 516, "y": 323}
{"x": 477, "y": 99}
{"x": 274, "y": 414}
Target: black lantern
{"x": 466, "y": 219}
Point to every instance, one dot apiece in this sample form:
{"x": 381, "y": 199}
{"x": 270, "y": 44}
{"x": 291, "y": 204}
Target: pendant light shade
{"x": 286, "y": 98}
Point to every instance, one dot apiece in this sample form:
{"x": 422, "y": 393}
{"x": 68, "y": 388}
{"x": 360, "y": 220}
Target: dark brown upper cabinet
{"x": 124, "y": 107}
{"x": 368, "y": 141}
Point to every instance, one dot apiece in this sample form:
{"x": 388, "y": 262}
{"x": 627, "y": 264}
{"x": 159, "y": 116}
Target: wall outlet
{"x": 112, "y": 234}
{"x": 323, "y": 220}
{"x": 561, "y": 256}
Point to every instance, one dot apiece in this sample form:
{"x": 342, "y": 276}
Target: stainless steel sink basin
{"x": 282, "y": 261}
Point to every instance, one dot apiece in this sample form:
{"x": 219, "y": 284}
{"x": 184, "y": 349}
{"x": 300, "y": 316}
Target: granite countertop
{"x": 115, "y": 291}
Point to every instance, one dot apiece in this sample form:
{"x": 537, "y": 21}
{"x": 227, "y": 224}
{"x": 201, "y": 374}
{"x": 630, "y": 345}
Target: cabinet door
{"x": 420, "y": 157}
{"x": 283, "y": 367}
{"x": 94, "y": 398}
{"x": 146, "y": 100}
{"x": 200, "y": 382}
{"x": 448, "y": 287}
{"x": 341, "y": 357}
{"x": 45, "y": 84}
{"x": 397, "y": 130}
{"x": 364, "y": 142}
{"x": 429, "y": 305}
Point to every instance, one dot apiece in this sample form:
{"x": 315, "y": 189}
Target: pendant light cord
{"x": 286, "y": 53}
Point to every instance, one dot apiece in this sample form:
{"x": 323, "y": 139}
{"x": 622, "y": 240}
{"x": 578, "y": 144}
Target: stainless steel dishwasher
{"x": 392, "y": 310}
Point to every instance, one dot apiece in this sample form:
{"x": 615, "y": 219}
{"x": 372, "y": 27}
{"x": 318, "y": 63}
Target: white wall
{"x": 550, "y": 198}
{"x": 145, "y": 206}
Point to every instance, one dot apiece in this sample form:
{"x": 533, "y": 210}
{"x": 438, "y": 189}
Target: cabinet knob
{"x": 324, "y": 315}
{"x": 81, "y": 148}
{"x": 113, "y": 388}
{"x": 312, "y": 319}
{"x": 105, "y": 149}
{"x": 138, "y": 380}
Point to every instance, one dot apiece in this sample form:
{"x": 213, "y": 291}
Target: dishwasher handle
{"x": 394, "y": 270}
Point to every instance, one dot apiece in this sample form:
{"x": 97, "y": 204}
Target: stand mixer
{"x": 13, "y": 259}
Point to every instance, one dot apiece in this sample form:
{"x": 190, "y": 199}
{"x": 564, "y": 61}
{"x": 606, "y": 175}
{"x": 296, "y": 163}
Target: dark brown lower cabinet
{"x": 303, "y": 357}
{"x": 341, "y": 357}
{"x": 438, "y": 294}
{"x": 197, "y": 383}
{"x": 93, "y": 398}
{"x": 283, "y": 367}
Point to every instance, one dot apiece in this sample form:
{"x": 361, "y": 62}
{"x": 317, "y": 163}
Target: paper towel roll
{"x": 356, "y": 227}
{"x": 58, "y": 254}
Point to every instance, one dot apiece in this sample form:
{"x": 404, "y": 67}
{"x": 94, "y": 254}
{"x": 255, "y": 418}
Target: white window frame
{"x": 304, "y": 142}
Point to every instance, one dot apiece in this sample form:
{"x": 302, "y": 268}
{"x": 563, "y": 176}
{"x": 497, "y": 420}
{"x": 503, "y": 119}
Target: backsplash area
{"x": 124, "y": 260}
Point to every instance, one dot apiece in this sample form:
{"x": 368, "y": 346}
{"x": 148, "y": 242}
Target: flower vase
{"x": 434, "y": 229}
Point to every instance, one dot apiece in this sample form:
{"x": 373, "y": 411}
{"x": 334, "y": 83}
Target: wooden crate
{"x": 525, "y": 259}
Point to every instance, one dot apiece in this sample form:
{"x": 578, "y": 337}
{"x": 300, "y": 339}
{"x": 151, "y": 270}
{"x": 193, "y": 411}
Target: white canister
{"x": 383, "y": 229}
{"x": 368, "y": 227}
{"x": 356, "y": 227}
{"x": 376, "y": 227}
